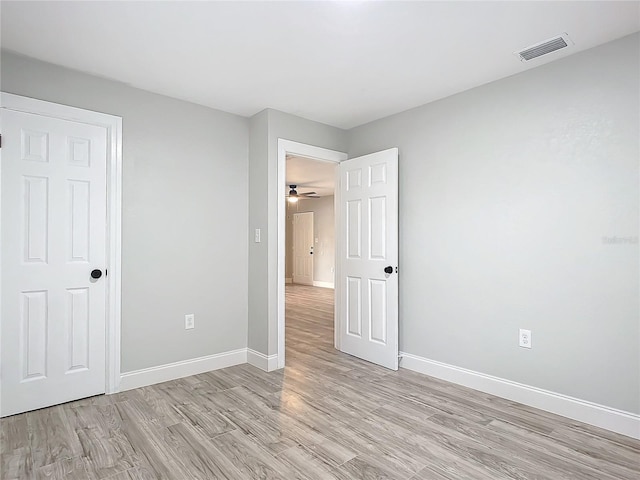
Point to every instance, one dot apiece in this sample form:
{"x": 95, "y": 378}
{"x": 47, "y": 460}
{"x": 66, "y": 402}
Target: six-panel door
{"x": 368, "y": 296}
{"x": 53, "y": 236}
{"x": 303, "y": 248}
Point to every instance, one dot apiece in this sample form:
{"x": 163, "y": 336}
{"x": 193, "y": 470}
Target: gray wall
{"x": 266, "y": 128}
{"x": 506, "y": 193}
{"x": 323, "y": 230}
{"x": 183, "y": 249}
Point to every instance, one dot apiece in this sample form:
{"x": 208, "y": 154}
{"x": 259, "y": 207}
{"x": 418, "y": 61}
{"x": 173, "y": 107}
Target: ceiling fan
{"x": 294, "y": 196}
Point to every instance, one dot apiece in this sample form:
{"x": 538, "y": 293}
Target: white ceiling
{"x": 310, "y": 175}
{"x": 342, "y": 63}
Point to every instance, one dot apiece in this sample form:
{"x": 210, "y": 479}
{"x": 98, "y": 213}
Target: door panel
{"x": 354, "y": 310}
{"x": 78, "y": 332}
{"x": 35, "y": 218}
{"x": 79, "y": 230}
{"x": 367, "y": 296}
{"x": 377, "y": 311}
{"x": 53, "y": 235}
{"x": 354, "y": 229}
{"x": 33, "y": 329}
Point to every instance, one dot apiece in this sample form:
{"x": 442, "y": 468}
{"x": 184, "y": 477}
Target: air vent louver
{"x": 543, "y": 48}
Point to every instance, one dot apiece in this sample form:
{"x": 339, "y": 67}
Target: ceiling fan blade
{"x": 308, "y": 194}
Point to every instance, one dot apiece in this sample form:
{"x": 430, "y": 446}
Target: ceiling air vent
{"x": 542, "y": 48}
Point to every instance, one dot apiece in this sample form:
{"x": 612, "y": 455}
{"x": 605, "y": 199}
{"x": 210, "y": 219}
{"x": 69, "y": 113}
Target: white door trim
{"x": 303, "y": 150}
{"x": 113, "y": 125}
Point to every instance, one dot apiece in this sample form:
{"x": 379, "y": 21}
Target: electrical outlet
{"x": 256, "y": 236}
{"x": 189, "y": 321}
{"x": 525, "y": 338}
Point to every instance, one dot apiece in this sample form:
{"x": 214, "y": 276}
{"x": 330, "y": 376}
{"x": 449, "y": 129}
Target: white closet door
{"x": 53, "y": 238}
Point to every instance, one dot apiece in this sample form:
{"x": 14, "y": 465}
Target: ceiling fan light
{"x": 293, "y": 199}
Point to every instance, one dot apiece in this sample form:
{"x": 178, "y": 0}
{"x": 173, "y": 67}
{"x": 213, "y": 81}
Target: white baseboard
{"x": 288, "y": 280}
{"x": 185, "y": 368}
{"x": 323, "y": 284}
{"x": 268, "y": 363}
{"x": 601, "y": 416}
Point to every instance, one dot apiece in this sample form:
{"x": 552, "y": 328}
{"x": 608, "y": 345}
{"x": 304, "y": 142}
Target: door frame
{"x": 113, "y": 125}
{"x": 313, "y": 233}
{"x": 316, "y": 153}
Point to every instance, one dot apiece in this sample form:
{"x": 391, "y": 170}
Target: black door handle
{"x": 96, "y": 273}
{"x": 388, "y": 269}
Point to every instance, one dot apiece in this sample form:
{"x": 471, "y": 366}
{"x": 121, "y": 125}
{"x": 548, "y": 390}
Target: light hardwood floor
{"x": 325, "y": 416}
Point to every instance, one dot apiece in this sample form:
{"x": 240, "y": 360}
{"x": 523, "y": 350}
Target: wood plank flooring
{"x": 325, "y": 416}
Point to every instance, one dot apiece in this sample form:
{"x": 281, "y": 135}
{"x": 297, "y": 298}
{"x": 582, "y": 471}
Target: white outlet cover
{"x": 525, "y": 338}
{"x": 189, "y": 321}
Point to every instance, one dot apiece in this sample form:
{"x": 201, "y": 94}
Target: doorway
{"x": 366, "y": 226}
{"x": 319, "y": 155}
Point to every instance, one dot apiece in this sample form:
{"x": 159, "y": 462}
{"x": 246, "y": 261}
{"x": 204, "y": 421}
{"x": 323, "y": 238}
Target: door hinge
{"x": 0, "y": 140}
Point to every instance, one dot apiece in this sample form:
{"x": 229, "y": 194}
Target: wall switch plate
{"x": 525, "y": 338}
{"x": 257, "y": 236}
{"x": 189, "y": 321}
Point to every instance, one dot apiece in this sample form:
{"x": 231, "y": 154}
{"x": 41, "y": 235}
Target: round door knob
{"x": 96, "y": 273}
{"x": 388, "y": 269}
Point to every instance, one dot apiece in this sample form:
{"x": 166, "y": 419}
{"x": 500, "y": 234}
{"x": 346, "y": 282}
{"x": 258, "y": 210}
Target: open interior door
{"x": 367, "y": 278}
